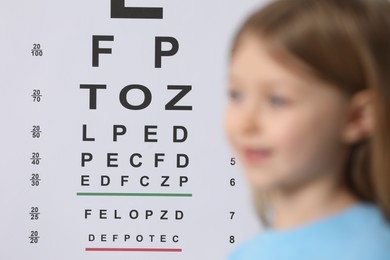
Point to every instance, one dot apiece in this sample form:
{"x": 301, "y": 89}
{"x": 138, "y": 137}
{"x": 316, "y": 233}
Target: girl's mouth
{"x": 256, "y": 156}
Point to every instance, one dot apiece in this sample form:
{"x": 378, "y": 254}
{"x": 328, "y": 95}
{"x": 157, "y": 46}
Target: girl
{"x": 308, "y": 119}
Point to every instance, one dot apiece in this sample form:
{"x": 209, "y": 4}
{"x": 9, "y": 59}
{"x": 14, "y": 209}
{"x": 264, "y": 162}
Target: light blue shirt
{"x": 359, "y": 232}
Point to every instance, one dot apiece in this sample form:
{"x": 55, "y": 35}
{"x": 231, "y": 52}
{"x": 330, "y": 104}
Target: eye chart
{"x": 112, "y": 141}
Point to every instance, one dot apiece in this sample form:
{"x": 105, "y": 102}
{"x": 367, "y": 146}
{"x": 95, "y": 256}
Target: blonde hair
{"x": 346, "y": 43}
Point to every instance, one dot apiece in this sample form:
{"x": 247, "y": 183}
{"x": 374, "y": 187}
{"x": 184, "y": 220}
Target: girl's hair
{"x": 346, "y": 43}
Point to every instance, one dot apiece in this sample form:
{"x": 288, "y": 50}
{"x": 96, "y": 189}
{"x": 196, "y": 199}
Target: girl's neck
{"x": 293, "y": 208}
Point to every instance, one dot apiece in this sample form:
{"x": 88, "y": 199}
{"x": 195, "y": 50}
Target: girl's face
{"x": 284, "y": 125}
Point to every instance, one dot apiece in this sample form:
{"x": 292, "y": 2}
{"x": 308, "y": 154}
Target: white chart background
{"x": 64, "y": 30}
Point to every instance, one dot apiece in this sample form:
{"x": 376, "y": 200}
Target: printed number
{"x": 34, "y": 237}
{"x": 34, "y": 213}
{"x": 232, "y": 182}
{"x": 36, "y": 50}
{"x": 35, "y": 179}
{"x": 232, "y": 214}
{"x": 36, "y": 131}
{"x": 35, "y": 158}
{"x": 231, "y": 240}
{"x": 36, "y": 95}
{"x": 232, "y": 161}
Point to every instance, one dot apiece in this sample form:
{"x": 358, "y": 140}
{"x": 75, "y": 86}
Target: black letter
{"x": 91, "y": 237}
{"x": 185, "y": 134}
{"x": 85, "y": 138}
{"x": 158, "y": 159}
{"x": 96, "y": 50}
{"x": 118, "y": 10}
{"x": 159, "y": 53}
{"x": 132, "y": 216}
{"x": 164, "y": 184}
{"x": 124, "y": 179}
{"x": 84, "y": 180}
{"x": 109, "y": 160}
{"x": 87, "y": 213}
{"x": 144, "y": 104}
{"x": 171, "y": 105}
{"x": 85, "y": 157}
{"x": 179, "y": 214}
{"x": 116, "y": 132}
{"x": 141, "y": 181}
{"x": 164, "y": 213}
{"x": 187, "y": 160}
{"x": 92, "y": 93}
{"x": 148, "y": 133}
{"x": 132, "y": 160}
{"x": 104, "y": 180}
{"x": 149, "y": 213}
{"x": 183, "y": 179}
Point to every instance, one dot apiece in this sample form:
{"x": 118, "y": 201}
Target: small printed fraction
{"x": 36, "y": 50}
{"x": 35, "y": 159}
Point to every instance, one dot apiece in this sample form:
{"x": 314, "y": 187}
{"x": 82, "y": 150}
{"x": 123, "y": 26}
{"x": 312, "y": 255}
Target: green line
{"x": 134, "y": 194}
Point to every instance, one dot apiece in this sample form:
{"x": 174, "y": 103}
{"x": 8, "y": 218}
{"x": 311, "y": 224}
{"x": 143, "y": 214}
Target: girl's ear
{"x": 360, "y": 117}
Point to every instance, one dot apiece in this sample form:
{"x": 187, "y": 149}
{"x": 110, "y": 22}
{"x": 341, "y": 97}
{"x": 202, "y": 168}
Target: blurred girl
{"x": 309, "y": 120}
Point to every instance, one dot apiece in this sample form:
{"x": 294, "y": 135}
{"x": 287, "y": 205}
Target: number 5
{"x": 232, "y": 161}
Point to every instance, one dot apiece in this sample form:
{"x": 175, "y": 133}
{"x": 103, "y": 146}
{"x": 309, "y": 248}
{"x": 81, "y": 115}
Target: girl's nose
{"x": 250, "y": 119}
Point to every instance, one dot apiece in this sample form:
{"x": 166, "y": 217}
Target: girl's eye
{"x": 277, "y": 101}
{"x": 235, "y": 95}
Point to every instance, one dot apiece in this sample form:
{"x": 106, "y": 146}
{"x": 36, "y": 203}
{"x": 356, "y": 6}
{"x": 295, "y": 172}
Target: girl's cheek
{"x": 301, "y": 146}
{"x": 292, "y": 139}
{"x": 286, "y": 131}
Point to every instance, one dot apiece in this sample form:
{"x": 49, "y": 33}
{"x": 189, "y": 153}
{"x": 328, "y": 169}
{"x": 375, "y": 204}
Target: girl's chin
{"x": 261, "y": 182}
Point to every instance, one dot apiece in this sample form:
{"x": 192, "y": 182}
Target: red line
{"x": 95, "y": 249}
